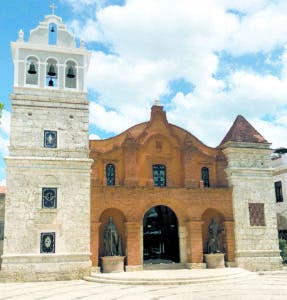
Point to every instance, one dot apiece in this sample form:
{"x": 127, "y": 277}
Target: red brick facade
{"x": 133, "y": 154}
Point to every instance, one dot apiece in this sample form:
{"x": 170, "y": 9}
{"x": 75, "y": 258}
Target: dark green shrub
{"x": 283, "y": 250}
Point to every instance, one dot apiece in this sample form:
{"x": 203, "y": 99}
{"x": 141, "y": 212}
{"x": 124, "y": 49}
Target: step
{"x": 171, "y": 277}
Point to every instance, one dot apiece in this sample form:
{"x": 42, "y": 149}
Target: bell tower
{"x": 47, "y": 213}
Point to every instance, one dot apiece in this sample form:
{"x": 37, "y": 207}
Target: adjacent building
{"x": 279, "y": 163}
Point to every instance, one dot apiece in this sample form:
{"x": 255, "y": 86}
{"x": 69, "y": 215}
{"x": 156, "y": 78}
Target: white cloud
{"x": 261, "y": 31}
{"x": 94, "y": 137}
{"x": 154, "y": 42}
{"x": 3, "y": 182}
{"x": 4, "y": 143}
{"x": 111, "y": 121}
{"x": 5, "y": 121}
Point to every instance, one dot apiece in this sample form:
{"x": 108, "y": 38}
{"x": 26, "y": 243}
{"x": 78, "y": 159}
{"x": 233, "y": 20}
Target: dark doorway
{"x": 160, "y": 236}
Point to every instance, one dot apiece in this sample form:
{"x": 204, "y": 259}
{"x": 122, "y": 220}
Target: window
{"x": 159, "y": 175}
{"x": 47, "y": 244}
{"x": 205, "y": 176}
{"x": 110, "y": 174}
{"x": 71, "y": 75}
{"x": 50, "y": 139}
{"x": 51, "y": 73}
{"x": 256, "y": 214}
{"x": 278, "y": 191}
{"x": 32, "y": 71}
{"x": 49, "y": 198}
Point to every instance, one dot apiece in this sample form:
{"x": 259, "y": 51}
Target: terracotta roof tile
{"x": 243, "y": 131}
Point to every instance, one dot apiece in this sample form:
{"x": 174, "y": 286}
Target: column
{"x": 133, "y": 246}
{"x": 230, "y": 241}
{"x": 95, "y": 226}
{"x": 195, "y": 251}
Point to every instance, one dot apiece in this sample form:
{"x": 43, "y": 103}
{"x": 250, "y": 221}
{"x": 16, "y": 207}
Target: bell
{"x": 71, "y": 73}
{"x": 32, "y": 69}
{"x": 52, "y": 70}
{"x": 52, "y": 29}
{"x": 51, "y": 82}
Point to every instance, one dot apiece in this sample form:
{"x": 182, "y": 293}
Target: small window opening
{"x": 71, "y": 75}
{"x": 32, "y": 71}
{"x": 205, "y": 176}
{"x": 53, "y": 30}
{"x": 111, "y": 174}
{"x": 159, "y": 175}
{"x": 52, "y": 73}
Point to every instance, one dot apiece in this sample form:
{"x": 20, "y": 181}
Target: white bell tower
{"x": 47, "y": 209}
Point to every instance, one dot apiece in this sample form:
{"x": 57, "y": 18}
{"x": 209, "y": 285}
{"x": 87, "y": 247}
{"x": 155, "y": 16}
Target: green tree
{"x": 283, "y": 250}
{"x": 1, "y": 108}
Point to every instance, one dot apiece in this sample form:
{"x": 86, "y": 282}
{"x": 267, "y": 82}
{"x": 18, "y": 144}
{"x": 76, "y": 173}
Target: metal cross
{"x": 53, "y": 7}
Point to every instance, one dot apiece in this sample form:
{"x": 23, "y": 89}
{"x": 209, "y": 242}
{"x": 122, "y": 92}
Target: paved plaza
{"x": 264, "y": 286}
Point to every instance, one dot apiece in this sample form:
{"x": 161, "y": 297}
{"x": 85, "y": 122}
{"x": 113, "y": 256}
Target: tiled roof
{"x": 3, "y": 189}
{"x": 243, "y": 131}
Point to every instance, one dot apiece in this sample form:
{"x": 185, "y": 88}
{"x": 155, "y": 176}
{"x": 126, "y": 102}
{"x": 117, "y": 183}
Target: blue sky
{"x": 205, "y": 65}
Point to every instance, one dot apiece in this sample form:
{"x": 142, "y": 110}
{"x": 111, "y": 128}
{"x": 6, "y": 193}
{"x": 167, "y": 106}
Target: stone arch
{"x": 32, "y": 70}
{"x": 160, "y": 235}
{"x": 119, "y": 220}
{"x": 71, "y": 73}
{"x": 52, "y": 72}
{"x": 219, "y": 217}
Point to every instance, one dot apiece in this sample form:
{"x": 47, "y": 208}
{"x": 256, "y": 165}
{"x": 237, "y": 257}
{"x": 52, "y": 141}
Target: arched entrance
{"x": 160, "y": 236}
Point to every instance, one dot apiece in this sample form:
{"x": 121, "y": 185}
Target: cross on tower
{"x": 53, "y": 7}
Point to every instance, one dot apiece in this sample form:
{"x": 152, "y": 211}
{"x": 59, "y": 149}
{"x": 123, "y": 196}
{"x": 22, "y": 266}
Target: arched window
{"x": 51, "y": 73}
{"x": 32, "y": 71}
{"x": 53, "y": 30}
{"x": 111, "y": 174}
{"x": 71, "y": 75}
{"x": 159, "y": 175}
{"x": 205, "y": 176}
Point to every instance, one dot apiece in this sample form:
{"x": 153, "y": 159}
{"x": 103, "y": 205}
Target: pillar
{"x": 230, "y": 242}
{"x": 133, "y": 246}
{"x": 95, "y": 226}
{"x": 195, "y": 253}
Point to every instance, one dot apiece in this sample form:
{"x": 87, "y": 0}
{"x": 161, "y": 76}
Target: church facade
{"x": 159, "y": 183}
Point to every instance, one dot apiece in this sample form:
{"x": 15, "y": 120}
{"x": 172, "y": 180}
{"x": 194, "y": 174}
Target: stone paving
{"x": 267, "y": 286}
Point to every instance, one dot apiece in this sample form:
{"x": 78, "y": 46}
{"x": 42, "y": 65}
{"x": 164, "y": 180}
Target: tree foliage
{"x": 1, "y": 108}
{"x": 283, "y": 250}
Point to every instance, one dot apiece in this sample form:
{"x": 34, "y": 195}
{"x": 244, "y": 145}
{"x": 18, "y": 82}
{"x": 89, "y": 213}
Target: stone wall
{"x": 32, "y": 167}
{"x": 2, "y": 212}
{"x": 250, "y": 175}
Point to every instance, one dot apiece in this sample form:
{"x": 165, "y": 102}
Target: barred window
{"x": 159, "y": 175}
{"x": 205, "y": 176}
{"x": 111, "y": 174}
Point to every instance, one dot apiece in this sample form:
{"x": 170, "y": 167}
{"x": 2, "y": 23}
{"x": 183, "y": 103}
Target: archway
{"x": 160, "y": 236}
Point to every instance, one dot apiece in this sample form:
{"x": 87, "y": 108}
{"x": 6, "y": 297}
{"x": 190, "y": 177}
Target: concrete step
{"x": 164, "y": 266}
{"x": 172, "y": 277}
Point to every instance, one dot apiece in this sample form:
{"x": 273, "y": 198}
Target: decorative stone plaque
{"x": 256, "y": 214}
{"x": 50, "y": 139}
{"x": 49, "y": 198}
{"x": 47, "y": 242}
